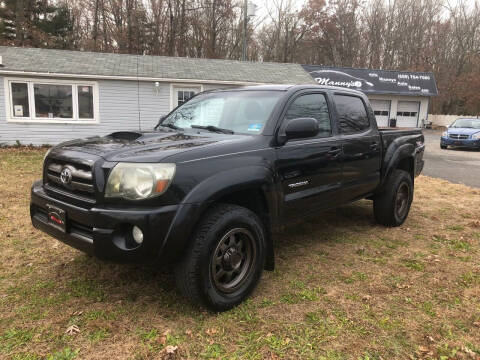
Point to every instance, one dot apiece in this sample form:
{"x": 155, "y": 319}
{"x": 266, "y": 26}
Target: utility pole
{"x": 245, "y": 24}
{"x": 249, "y": 9}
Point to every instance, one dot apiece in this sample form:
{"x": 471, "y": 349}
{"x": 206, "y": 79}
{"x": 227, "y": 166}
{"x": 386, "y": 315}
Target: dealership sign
{"x": 375, "y": 81}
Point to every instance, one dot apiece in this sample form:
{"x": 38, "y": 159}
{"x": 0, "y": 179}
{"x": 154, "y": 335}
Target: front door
{"x": 309, "y": 169}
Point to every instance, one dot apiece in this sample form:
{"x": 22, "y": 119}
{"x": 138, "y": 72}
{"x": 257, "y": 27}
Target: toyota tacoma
{"x": 207, "y": 189}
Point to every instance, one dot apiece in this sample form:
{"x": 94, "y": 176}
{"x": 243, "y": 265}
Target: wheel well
{"x": 254, "y": 200}
{"x": 407, "y": 165}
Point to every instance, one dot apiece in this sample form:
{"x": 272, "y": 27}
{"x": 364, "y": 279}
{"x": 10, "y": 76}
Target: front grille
{"x": 458, "y": 136}
{"x": 78, "y": 183}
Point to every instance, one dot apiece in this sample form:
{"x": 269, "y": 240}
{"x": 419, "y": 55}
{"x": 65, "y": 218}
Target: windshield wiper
{"x": 169, "y": 125}
{"x": 212, "y": 128}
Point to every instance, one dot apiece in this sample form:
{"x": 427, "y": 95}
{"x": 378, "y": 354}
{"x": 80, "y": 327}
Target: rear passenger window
{"x": 311, "y": 106}
{"x": 352, "y": 114}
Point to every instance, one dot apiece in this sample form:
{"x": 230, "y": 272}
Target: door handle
{"x": 334, "y": 151}
{"x": 374, "y": 146}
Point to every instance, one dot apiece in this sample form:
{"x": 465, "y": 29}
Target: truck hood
{"x": 147, "y": 146}
{"x": 463, "y": 131}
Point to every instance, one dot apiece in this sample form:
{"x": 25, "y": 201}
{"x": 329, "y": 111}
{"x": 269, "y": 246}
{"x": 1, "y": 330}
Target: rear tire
{"x": 391, "y": 207}
{"x": 225, "y": 261}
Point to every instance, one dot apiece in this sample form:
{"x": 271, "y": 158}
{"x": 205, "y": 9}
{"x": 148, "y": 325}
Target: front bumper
{"x": 105, "y": 231}
{"x": 467, "y": 143}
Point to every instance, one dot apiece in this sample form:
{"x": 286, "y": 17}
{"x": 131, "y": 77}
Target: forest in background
{"x": 416, "y": 35}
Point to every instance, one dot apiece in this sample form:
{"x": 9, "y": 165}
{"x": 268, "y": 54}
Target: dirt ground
{"x": 343, "y": 288}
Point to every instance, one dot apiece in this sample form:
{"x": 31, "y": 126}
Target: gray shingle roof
{"x": 102, "y": 64}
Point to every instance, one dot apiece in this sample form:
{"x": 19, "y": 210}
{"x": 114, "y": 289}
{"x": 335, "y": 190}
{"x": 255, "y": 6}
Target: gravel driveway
{"x": 456, "y": 165}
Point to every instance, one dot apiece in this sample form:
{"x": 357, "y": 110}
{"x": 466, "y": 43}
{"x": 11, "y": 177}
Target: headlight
{"x": 46, "y": 154}
{"x": 137, "y": 181}
{"x": 476, "y": 136}
{"x": 444, "y": 134}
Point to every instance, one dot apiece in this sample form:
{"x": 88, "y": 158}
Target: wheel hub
{"x": 231, "y": 259}
{"x": 401, "y": 201}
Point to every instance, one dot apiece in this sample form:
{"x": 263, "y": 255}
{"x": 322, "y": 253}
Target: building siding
{"x": 118, "y": 109}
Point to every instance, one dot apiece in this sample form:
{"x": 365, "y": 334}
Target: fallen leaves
{"x": 475, "y": 224}
{"x": 72, "y": 330}
{"x": 163, "y": 338}
{"x": 366, "y": 297}
{"x": 169, "y": 353}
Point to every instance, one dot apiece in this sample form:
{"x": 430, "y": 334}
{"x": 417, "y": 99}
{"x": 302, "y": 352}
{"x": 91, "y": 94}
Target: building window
{"x": 181, "y": 94}
{"x": 407, "y": 113}
{"x": 20, "y": 100}
{"x": 52, "y": 101}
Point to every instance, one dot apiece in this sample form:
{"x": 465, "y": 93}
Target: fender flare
{"x": 207, "y": 192}
{"x": 393, "y": 156}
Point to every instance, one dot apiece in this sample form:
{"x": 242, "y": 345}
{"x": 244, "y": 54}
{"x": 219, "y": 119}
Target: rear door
{"x": 309, "y": 169}
{"x": 360, "y": 145}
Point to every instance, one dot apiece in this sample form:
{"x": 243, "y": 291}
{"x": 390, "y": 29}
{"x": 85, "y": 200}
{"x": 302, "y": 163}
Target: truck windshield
{"x": 235, "y": 111}
{"x": 466, "y": 123}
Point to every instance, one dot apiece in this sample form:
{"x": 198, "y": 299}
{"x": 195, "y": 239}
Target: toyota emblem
{"x": 66, "y": 175}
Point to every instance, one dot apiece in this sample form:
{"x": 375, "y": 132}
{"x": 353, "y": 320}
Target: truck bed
{"x": 394, "y": 137}
{"x": 389, "y": 134}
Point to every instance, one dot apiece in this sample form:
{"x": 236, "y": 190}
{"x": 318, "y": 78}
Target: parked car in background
{"x": 462, "y": 133}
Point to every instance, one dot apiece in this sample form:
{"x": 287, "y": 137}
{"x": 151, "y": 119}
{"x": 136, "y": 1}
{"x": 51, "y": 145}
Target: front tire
{"x": 443, "y": 146}
{"x": 225, "y": 261}
{"x": 391, "y": 207}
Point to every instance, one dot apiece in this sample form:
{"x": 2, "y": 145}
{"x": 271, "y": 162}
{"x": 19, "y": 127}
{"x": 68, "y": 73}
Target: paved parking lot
{"x": 455, "y": 165}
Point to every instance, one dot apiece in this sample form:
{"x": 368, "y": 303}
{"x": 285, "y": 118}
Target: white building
{"x": 50, "y": 96}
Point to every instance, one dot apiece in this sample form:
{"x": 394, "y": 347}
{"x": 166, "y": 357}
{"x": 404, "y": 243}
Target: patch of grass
{"x": 86, "y": 288}
{"x": 413, "y": 264}
{"x": 99, "y": 335}
{"x": 148, "y": 335}
{"x": 26, "y": 356}
{"x": 356, "y": 276}
{"x": 343, "y": 288}
{"x": 469, "y": 279}
{"x": 303, "y": 295}
{"x": 456, "y": 227}
{"x": 213, "y": 351}
{"x": 15, "y": 338}
{"x": 64, "y": 354}
{"x": 429, "y": 309}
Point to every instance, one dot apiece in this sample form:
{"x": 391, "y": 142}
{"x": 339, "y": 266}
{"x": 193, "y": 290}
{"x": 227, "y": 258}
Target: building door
{"x": 407, "y": 113}
{"x": 381, "y": 108}
{"x": 182, "y": 94}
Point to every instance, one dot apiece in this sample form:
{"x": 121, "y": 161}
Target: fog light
{"x": 137, "y": 234}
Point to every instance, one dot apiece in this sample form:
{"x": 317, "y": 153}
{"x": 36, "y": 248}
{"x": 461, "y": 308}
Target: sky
{"x": 263, "y": 5}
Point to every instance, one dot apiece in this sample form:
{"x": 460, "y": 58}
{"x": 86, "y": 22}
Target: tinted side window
{"x": 352, "y": 114}
{"x": 311, "y": 106}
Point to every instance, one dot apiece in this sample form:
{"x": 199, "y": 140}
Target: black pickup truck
{"x": 209, "y": 187}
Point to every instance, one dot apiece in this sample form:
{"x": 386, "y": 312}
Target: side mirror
{"x": 301, "y": 128}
